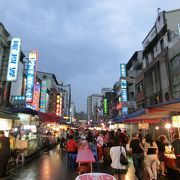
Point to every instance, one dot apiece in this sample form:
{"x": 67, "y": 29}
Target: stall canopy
{"x": 152, "y": 114}
{"x": 51, "y": 118}
{"x": 22, "y": 110}
{"x": 8, "y": 115}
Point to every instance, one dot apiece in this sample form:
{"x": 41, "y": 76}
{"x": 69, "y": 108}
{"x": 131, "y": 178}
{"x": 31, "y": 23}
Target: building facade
{"x": 93, "y": 107}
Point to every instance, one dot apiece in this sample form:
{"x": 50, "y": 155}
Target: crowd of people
{"x": 108, "y": 147}
{"x": 147, "y": 153}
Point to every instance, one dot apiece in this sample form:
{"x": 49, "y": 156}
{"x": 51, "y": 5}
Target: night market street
{"x": 52, "y": 165}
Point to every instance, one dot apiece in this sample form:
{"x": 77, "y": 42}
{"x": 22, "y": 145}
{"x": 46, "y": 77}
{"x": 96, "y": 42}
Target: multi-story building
{"x": 133, "y": 68}
{"x": 93, "y": 105}
{"x": 160, "y": 59}
{"x": 9, "y": 89}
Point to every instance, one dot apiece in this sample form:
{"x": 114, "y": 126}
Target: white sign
{"x": 14, "y": 57}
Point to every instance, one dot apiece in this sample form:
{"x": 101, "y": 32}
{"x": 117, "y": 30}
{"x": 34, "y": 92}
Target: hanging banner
{"x": 14, "y": 57}
{"x": 31, "y": 76}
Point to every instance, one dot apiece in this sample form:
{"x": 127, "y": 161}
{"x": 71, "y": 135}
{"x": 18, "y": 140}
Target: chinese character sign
{"x": 43, "y": 96}
{"x": 105, "y": 106}
{"x": 123, "y": 85}
{"x": 31, "y": 76}
{"x": 14, "y": 57}
{"x": 36, "y": 97}
{"x": 122, "y": 70}
{"x": 58, "y": 105}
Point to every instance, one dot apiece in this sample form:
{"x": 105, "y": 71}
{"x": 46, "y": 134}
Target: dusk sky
{"x": 82, "y": 41}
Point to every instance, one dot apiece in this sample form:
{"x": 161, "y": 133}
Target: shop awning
{"x": 22, "y": 110}
{"x": 135, "y": 114}
{"x": 8, "y": 115}
{"x": 156, "y": 113}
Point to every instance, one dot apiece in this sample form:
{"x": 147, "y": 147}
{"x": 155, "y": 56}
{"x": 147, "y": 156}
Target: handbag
{"x": 123, "y": 159}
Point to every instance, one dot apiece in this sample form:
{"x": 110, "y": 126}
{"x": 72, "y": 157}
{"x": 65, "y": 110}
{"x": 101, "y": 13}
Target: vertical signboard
{"x": 31, "y": 76}
{"x": 14, "y": 57}
{"x": 105, "y": 106}
{"x": 36, "y": 97}
{"x": 123, "y": 86}
{"x": 58, "y": 105}
{"x": 43, "y": 96}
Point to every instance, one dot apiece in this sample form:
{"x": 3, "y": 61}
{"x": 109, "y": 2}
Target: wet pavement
{"x": 52, "y": 165}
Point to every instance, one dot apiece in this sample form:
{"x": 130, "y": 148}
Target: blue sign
{"x": 122, "y": 70}
{"x": 14, "y": 57}
{"x": 31, "y": 76}
{"x": 124, "y": 110}
{"x": 123, "y": 84}
{"x": 123, "y": 95}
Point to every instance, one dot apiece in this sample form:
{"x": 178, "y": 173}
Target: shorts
{"x": 119, "y": 171}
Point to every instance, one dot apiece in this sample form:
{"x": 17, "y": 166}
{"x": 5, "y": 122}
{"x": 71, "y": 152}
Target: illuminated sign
{"x": 123, "y": 95}
{"x": 123, "y": 85}
{"x": 31, "y": 76}
{"x": 119, "y": 106}
{"x": 58, "y": 105}
{"x": 105, "y": 106}
{"x": 36, "y": 97}
{"x": 124, "y": 110}
{"x": 17, "y": 100}
{"x": 122, "y": 70}
{"x": 43, "y": 96}
{"x": 14, "y": 57}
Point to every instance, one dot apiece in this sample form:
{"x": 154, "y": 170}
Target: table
{"x": 85, "y": 156}
{"x": 95, "y": 176}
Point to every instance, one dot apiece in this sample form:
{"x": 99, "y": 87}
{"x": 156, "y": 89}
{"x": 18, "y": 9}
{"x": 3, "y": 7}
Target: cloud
{"x": 82, "y": 42}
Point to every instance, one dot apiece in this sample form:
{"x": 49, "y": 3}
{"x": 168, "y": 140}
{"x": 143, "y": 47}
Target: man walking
{"x": 136, "y": 150}
{"x": 4, "y": 154}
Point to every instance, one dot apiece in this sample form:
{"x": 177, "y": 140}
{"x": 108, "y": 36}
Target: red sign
{"x": 119, "y": 106}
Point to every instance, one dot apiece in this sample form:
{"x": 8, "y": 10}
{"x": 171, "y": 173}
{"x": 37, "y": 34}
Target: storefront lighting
{"x": 168, "y": 125}
{"x": 157, "y": 127}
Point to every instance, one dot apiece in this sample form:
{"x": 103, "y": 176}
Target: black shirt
{"x": 161, "y": 146}
{"x": 134, "y": 144}
{"x": 176, "y": 146}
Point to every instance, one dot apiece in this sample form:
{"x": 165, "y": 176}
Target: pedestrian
{"x": 100, "y": 144}
{"x": 136, "y": 149}
{"x": 123, "y": 138}
{"x": 4, "y": 153}
{"x": 140, "y": 135}
{"x": 161, "y": 142}
{"x": 176, "y": 150}
{"x": 71, "y": 145}
{"x": 151, "y": 157}
{"x": 115, "y": 153}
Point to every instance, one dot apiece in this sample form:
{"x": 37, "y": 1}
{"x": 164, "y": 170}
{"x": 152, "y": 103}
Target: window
{"x": 44, "y": 77}
{"x": 147, "y": 61}
{"x": 162, "y": 44}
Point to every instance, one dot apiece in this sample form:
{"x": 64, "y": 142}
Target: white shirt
{"x": 100, "y": 141}
{"x": 115, "y": 156}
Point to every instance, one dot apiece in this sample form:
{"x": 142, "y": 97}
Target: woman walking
{"x": 115, "y": 153}
{"x": 161, "y": 142}
{"x": 151, "y": 157}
